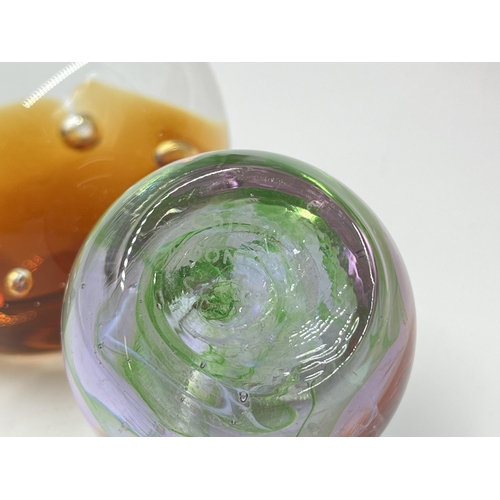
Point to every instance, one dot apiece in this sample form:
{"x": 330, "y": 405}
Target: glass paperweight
{"x": 239, "y": 293}
{"x": 73, "y": 138}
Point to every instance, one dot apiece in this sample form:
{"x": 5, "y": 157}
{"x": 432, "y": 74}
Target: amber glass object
{"x": 73, "y": 138}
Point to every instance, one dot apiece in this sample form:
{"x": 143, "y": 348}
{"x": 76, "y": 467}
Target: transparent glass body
{"x": 73, "y": 138}
{"x": 239, "y": 293}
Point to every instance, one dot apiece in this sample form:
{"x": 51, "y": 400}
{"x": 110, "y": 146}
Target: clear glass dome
{"x": 73, "y": 138}
{"x": 239, "y": 293}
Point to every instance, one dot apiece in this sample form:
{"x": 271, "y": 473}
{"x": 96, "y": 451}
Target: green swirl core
{"x": 227, "y": 295}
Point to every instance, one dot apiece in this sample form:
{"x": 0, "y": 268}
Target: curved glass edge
{"x": 382, "y": 363}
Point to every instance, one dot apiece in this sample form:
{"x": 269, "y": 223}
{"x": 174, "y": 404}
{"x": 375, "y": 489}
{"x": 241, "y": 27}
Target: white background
{"x": 420, "y": 143}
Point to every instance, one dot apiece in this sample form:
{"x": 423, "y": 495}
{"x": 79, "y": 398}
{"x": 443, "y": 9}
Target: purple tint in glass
{"x": 239, "y": 293}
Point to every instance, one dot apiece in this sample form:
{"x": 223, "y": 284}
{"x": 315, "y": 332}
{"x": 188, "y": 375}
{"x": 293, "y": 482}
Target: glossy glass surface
{"x": 73, "y": 138}
{"x": 239, "y": 293}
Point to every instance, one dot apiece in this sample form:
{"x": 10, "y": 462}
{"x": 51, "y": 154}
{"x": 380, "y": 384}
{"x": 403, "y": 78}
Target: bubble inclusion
{"x": 240, "y": 294}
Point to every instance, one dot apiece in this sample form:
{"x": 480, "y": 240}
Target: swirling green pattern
{"x": 238, "y": 312}
{"x": 234, "y": 294}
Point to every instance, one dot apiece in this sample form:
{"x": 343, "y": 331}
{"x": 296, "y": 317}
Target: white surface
{"x": 420, "y": 143}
